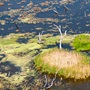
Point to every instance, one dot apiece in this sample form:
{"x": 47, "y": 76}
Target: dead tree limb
{"x": 40, "y": 37}
{"x": 52, "y": 82}
{"x": 56, "y": 12}
{"x": 46, "y": 81}
{"x": 66, "y": 9}
{"x": 61, "y": 35}
{"x": 47, "y": 85}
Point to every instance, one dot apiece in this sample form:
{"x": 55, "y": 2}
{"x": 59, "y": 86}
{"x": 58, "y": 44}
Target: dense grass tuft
{"x": 82, "y": 42}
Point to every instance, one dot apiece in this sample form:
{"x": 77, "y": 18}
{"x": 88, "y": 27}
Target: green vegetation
{"x": 69, "y": 64}
{"x": 7, "y": 41}
{"x": 19, "y": 51}
{"x": 19, "y": 54}
{"x": 82, "y": 42}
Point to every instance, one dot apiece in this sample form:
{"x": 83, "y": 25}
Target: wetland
{"x": 21, "y": 24}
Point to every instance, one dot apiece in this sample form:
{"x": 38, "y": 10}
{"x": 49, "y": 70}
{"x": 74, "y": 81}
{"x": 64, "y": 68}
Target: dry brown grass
{"x": 62, "y": 59}
{"x": 1, "y": 86}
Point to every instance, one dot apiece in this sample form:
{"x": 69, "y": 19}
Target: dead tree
{"x": 61, "y": 35}
{"x": 40, "y": 37}
{"x": 47, "y": 85}
{"x": 66, "y": 9}
{"x": 56, "y": 12}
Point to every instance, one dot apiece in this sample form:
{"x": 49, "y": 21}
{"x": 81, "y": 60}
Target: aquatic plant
{"x": 81, "y": 42}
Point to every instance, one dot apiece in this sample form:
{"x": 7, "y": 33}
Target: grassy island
{"x": 69, "y": 64}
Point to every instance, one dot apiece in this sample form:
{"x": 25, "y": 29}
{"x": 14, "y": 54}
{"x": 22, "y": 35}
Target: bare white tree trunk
{"x": 40, "y": 37}
{"x": 60, "y": 44}
{"x": 61, "y": 36}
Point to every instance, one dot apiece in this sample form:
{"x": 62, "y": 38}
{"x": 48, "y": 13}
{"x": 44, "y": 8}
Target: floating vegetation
{"x": 66, "y": 1}
{"x": 1, "y": 3}
{"x": 30, "y": 18}
{"x": 2, "y": 22}
{"x": 10, "y": 13}
{"x": 46, "y": 3}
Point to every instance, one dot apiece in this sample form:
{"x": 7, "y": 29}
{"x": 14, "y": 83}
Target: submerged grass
{"x": 68, "y": 63}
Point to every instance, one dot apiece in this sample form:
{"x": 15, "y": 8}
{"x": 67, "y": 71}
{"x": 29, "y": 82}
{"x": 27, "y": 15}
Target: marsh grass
{"x": 8, "y": 41}
{"x": 81, "y": 42}
{"x": 20, "y": 54}
{"x": 69, "y": 64}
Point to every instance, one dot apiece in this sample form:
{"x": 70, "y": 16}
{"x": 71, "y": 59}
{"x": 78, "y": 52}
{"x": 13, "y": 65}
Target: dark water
{"x": 75, "y": 21}
{"x": 67, "y": 85}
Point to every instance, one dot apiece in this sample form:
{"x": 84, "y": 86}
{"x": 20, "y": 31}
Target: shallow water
{"x": 75, "y": 21}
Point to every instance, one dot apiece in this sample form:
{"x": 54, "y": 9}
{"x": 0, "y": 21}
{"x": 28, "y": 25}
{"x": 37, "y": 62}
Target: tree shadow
{"x": 9, "y": 68}
{"x": 36, "y": 53}
{"x": 2, "y": 56}
{"x": 50, "y": 46}
{"x": 66, "y": 46}
{"x": 22, "y": 40}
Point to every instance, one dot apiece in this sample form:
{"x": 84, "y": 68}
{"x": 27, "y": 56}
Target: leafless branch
{"x": 54, "y": 9}
{"x": 59, "y": 28}
{"x": 65, "y": 34}
{"x": 47, "y": 85}
{"x": 46, "y": 82}
{"x": 66, "y": 8}
{"x": 40, "y": 37}
{"x": 61, "y": 36}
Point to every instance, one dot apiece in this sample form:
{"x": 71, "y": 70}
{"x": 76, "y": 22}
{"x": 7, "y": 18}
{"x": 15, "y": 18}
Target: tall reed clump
{"x": 69, "y": 64}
